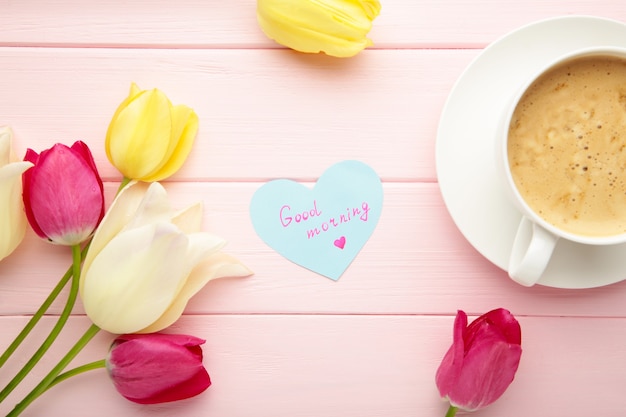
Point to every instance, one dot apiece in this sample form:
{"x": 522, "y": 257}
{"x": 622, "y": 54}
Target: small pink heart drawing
{"x": 341, "y": 242}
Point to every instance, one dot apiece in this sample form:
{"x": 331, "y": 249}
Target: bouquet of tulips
{"x": 134, "y": 266}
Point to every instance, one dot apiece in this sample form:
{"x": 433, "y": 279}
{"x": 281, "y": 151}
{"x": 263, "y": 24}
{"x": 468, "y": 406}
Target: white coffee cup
{"x": 536, "y": 236}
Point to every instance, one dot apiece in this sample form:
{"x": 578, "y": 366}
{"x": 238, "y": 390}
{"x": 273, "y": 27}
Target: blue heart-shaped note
{"x": 324, "y": 228}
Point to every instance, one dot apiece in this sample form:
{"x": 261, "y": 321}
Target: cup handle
{"x": 532, "y": 249}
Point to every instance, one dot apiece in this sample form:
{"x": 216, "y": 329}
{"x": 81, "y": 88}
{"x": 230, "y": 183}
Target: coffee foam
{"x": 567, "y": 146}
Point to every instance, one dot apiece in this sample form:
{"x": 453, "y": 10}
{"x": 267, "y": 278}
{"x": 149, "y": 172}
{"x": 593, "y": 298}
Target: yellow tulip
{"x": 336, "y": 27}
{"x": 12, "y": 216}
{"x": 145, "y": 262}
{"x": 148, "y": 138}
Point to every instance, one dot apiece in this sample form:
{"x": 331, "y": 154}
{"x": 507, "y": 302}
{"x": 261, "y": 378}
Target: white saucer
{"x": 465, "y": 149}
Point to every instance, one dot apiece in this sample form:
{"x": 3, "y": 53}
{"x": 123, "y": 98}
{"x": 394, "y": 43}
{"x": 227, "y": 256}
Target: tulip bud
{"x": 157, "y": 368}
{"x": 12, "y": 217}
{"x": 63, "y": 193}
{"x": 336, "y": 27}
{"x": 145, "y": 262}
{"x": 482, "y": 361}
{"x": 148, "y": 138}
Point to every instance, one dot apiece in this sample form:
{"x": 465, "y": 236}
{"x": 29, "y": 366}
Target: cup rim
{"x": 526, "y": 210}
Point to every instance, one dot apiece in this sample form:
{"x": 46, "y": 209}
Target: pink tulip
{"x": 156, "y": 368}
{"x": 63, "y": 194}
{"x": 482, "y": 361}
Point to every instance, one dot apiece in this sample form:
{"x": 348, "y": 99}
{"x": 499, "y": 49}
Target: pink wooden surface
{"x": 287, "y": 342}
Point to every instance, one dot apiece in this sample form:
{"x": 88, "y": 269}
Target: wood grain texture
{"x": 286, "y": 342}
{"x": 358, "y": 366}
{"x": 254, "y": 122}
{"x": 416, "y": 262}
{"x": 196, "y": 24}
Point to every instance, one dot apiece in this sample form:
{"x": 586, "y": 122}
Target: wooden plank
{"x": 286, "y": 342}
{"x": 263, "y": 114}
{"x": 416, "y": 262}
{"x": 357, "y": 366}
{"x": 232, "y": 24}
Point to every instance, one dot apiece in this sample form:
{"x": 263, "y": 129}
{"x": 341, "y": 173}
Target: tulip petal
{"x": 135, "y": 277}
{"x": 81, "y": 148}
{"x": 187, "y": 388}
{"x": 123, "y": 207}
{"x": 184, "y": 130}
{"x": 482, "y": 361}
{"x": 201, "y": 245}
{"x": 154, "y": 207}
{"x": 63, "y": 195}
{"x": 134, "y": 91}
{"x": 12, "y": 218}
{"x": 487, "y": 372}
{"x": 6, "y": 134}
{"x": 371, "y": 8}
{"x": 139, "y": 134}
{"x": 311, "y": 41}
{"x": 14, "y": 171}
{"x": 189, "y": 220}
{"x": 31, "y": 157}
{"x": 158, "y": 368}
{"x": 136, "y": 205}
{"x": 452, "y": 364}
{"x": 500, "y": 320}
{"x": 148, "y": 138}
{"x": 218, "y": 265}
{"x": 338, "y": 28}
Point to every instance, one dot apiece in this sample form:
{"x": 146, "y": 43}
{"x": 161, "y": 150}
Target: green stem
{"x": 123, "y": 184}
{"x": 77, "y": 371}
{"x": 35, "y": 318}
{"x": 54, "y": 333}
{"x": 55, "y": 372}
{"x": 451, "y": 411}
{"x": 39, "y": 313}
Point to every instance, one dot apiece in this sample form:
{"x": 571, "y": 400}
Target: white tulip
{"x": 145, "y": 262}
{"x": 12, "y": 216}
